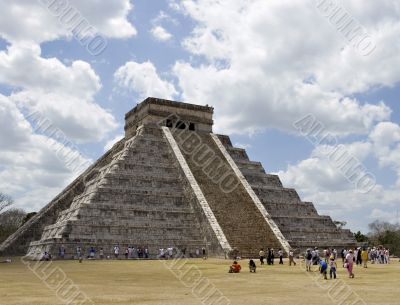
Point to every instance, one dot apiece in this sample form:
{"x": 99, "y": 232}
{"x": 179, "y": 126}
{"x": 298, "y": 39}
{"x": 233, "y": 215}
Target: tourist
{"x": 374, "y": 256}
{"x": 235, "y": 267}
{"x": 146, "y": 253}
{"x": 359, "y": 259}
{"x": 272, "y": 256}
{"x": 280, "y": 253}
{"x": 308, "y": 259}
{"x": 101, "y": 253}
{"x": 126, "y": 253}
{"x": 170, "y": 252}
{"x": 323, "y": 267}
{"x": 381, "y": 255}
{"x": 79, "y": 253}
{"x": 387, "y": 255}
{"x": 334, "y": 253}
{"x": 130, "y": 251}
{"x": 261, "y": 254}
{"x": 161, "y": 253}
{"x": 291, "y": 258}
{"x": 92, "y": 253}
{"x": 61, "y": 252}
{"x": 364, "y": 257}
{"x": 269, "y": 256}
{"x": 204, "y": 253}
{"x": 116, "y": 251}
{"x": 197, "y": 252}
{"x": 325, "y": 252}
{"x": 343, "y": 255}
{"x": 252, "y": 266}
{"x": 315, "y": 255}
{"x": 46, "y": 256}
{"x": 349, "y": 262}
{"x": 327, "y": 255}
{"x": 333, "y": 267}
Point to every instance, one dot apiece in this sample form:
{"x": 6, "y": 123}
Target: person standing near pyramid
{"x": 116, "y": 251}
{"x": 280, "y": 253}
{"x": 261, "y": 254}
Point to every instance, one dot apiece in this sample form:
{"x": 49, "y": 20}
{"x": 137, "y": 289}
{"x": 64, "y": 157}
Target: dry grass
{"x": 151, "y": 282}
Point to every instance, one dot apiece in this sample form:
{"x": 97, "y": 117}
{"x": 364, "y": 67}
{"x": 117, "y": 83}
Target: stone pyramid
{"x": 171, "y": 182}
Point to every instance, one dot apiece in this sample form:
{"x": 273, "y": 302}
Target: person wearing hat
{"x": 333, "y": 266}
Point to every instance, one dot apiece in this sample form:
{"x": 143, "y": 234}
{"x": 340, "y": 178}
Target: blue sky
{"x": 262, "y": 65}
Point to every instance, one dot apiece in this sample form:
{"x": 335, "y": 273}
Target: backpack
{"x": 309, "y": 256}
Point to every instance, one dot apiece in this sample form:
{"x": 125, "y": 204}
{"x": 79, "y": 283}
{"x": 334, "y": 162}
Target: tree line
{"x": 10, "y": 218}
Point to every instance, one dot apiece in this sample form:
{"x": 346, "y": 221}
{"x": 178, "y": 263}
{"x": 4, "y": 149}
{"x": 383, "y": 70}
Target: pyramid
{"x": 171, "y": 182}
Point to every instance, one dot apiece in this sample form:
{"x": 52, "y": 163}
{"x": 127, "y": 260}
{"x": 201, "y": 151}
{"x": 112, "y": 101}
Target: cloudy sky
{"x": 263, "y": 65}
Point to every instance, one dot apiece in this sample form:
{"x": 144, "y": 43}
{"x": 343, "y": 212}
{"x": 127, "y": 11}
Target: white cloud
{"x": 57, "y": 91}
{"x": 386, "y": 140}
{"x": 276, "y": 69}
{"x": 160, "y": 33}
{"x": 48, "y": 74}
{"x": 319, "y": 180}
{"x": 25, "y": 20}
{"x": 35, "y": 170}
{"x": 143, "y": 79}
{"x": 390, "y": 216}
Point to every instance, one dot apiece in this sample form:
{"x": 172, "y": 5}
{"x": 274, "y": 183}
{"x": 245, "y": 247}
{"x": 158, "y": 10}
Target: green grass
{"x": 153, "y": 282}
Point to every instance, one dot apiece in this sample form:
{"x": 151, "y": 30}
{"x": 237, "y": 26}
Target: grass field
{"x": 189, "y": 282}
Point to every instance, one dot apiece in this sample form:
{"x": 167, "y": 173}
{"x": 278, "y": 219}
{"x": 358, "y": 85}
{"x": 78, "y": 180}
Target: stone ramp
{"x": 244, "y": 226}
{"x": 298, "y": 221}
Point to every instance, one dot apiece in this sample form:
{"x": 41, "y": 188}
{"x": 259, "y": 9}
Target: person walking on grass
{"x": 204, "y": 253}
{"x": 349, "y": 263}
{"x": 364, "y": 257}
{"x": 308, "y": 258}
{"x": 280, "y": 253}
{"x": 261, "y": 254}
{"x": 291, "y": 258}
{"x": 359, "y": 257}
{"x": 116, "y": 251}
{"x": 272, "y": 256}
{"x": 323, "y": 267}
{"x": 333, "y": 267}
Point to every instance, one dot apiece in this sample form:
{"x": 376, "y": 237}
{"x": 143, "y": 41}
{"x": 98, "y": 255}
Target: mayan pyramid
{"x": 171, "y": 182}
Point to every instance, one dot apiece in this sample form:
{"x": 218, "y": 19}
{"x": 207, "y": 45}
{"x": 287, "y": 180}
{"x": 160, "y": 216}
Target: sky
{"x": 304, "y": 86}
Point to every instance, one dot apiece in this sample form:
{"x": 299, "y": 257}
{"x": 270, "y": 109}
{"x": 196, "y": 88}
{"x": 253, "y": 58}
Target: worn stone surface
{"x": 165, "y": 187}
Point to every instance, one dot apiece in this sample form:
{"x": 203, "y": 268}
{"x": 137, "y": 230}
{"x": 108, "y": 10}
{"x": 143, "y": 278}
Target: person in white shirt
{"x": 116, "y": 251}
{"x": 291, "y": 258}
{"x": 280, "y": 253}
{"x": 349, "y": 263}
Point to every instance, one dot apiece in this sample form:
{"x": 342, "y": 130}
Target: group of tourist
{"x": 130, "y": 252}
{"x": 326, "y": 260}
{"x": 270, "y": 256}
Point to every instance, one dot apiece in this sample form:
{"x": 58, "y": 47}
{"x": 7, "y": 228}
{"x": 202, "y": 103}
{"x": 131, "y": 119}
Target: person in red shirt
{"x": 235, "y": 268}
